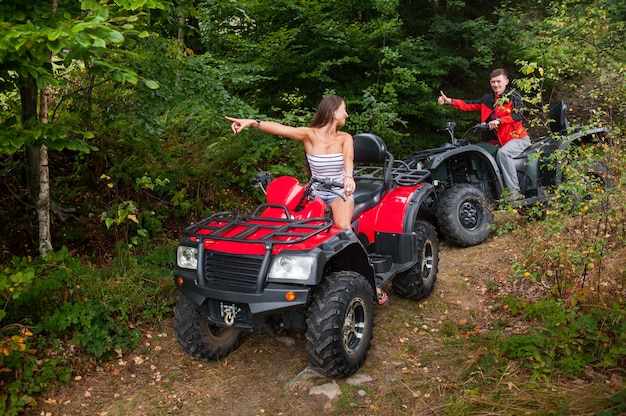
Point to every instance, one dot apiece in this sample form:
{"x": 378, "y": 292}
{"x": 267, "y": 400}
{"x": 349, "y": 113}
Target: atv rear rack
{"x": 401, "y": 173}
{"x": 232, "y": 226}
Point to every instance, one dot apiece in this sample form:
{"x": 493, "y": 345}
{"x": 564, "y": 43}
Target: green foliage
{"x": 619, "y": 406}
{"x": 168, "y": 156}
{"x": 31, "y": 375}
{"x": 575, "y": 42}
{"x": 350, "y": 47}
{"x": 37, "y": 42}
{"x": 583, "y": 225}
{"x": 70, "y": 305}
{"x": 575, "y": 312}
{"x": 13, "y": 282}
{"x": 568, "y": 339}
{"x": 92, "y": 325}
{"x": 379, "y": 117}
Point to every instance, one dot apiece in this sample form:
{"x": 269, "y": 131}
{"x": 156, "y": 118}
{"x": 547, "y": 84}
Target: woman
{"x": 329, "y": 151}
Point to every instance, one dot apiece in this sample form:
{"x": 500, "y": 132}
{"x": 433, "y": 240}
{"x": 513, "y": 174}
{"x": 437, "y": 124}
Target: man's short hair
{"x": 498, "y": 72}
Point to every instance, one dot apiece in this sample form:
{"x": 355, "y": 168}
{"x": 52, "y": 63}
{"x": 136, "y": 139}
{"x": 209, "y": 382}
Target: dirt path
{"x": 411, "y": 368}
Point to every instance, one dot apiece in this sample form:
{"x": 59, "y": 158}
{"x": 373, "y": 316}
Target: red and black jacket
{"x": 508, "y": 108}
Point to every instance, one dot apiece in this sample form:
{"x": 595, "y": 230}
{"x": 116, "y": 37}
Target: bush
{"x": 574, "y": 283}
{"x": 567, "y": 339}
{"x": 61, "y": 307}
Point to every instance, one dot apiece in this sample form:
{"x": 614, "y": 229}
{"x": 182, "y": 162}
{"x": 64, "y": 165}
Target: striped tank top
{"x": 327, "y": 166}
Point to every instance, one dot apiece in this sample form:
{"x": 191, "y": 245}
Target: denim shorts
{"x": 328, "y": 198}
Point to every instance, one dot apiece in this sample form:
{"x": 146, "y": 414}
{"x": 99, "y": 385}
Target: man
{"x": 502, "y": 111}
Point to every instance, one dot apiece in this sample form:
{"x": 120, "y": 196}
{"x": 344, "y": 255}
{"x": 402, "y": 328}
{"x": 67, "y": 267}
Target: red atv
{"x": 287, "y": 266}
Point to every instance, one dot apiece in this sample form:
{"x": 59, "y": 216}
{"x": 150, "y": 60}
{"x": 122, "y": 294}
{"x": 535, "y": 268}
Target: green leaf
{"x": 153, "y": 85}
{"x": 99, "y": 43}
{"x": 55, "y": 34}
{"x": 116, "y": 37}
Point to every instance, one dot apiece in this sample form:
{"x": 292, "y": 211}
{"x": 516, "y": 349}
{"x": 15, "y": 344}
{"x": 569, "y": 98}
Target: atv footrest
{"x": 399, "y": 246}
{"x": 382, "y": 263}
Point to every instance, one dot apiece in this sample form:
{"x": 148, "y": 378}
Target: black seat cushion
{"x": 368, "y": 194}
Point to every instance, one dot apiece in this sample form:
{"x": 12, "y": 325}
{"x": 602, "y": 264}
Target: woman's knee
{"x": 342, "y": 213}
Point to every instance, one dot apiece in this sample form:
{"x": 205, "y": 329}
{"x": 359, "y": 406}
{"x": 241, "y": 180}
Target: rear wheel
{"x": 340, "y": 324}
{"x": 418, "y": 282}
{"x": 465, "y": 215}
{"x": 198, "y": 336}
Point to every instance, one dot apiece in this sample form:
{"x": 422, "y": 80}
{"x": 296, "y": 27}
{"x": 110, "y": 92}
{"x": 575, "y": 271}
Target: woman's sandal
{"x": 381, "y": 296}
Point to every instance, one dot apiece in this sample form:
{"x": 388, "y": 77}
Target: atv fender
{"x": 480, "y": 152}
{"x": 421, "y": 207}
{"x": 397, "y": 211}
{"x": 480, "y": 160}
{"x": 583, "y": 137}
{"x": 345, "y": 252}
{"x": 194, "y": 296}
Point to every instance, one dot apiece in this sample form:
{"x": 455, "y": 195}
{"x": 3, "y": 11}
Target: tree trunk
{"x": 28, "y": 95}
{"x": 181, "y": 32}
{"x": 43, "y": 200}
{"x": 37, "y": 176}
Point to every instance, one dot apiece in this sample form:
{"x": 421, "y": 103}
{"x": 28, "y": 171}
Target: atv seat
{"x": 372, "y": 172}
{"x": 529, "y": 160}
{"x": 557, "y": 117}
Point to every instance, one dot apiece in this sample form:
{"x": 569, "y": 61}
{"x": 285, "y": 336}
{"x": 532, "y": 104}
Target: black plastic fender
{"x": 472, "y": 148}
{"x": 472, "y": 152}
{"x": 421, "y": 206}
{"x": 344, "y": 251}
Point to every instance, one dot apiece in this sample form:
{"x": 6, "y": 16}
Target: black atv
{"x": 468, "y": 182}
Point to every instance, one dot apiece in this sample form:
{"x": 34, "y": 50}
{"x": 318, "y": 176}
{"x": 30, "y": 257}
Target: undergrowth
{"x": 60, "y": 309}
{"x": 567, "y": 296}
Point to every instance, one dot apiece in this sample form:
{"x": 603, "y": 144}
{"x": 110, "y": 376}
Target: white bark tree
{"x": 34, "y": 40}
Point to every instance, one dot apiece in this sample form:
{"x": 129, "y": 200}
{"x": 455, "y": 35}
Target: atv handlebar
{"x": 475, "y": 129}
{"x": 261, "y": 180}
{"x": 327, "y": 184}
{"x": 465, "y": 140}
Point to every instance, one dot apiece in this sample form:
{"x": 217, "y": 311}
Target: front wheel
{"x": 340, "y": 324}
{"x": 198, "y": 336}
{"x": 418, "y": 282}
{"x": 465, "y": 215}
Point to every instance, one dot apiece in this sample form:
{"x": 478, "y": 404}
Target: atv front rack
{"x": 234, "y": 227}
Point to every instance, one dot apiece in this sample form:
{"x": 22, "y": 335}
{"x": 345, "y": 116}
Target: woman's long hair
{"x": 325, "y": 110}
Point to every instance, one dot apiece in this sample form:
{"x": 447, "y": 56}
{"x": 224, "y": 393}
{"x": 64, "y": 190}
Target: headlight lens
{"x": 291, "y": 267}
{"x": 187, "y": 257}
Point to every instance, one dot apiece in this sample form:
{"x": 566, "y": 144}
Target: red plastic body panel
{"x": 285, "y": 190}
{"x": 307, "y": 227}
{"x": 389, "y": 215}
{"x": 278, "y": 226}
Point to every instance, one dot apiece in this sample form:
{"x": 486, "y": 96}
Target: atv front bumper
{"x": 241, "y": 307}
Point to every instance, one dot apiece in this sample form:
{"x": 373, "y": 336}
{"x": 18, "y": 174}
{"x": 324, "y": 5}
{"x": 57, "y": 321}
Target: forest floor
{"x": 423, "y": 361}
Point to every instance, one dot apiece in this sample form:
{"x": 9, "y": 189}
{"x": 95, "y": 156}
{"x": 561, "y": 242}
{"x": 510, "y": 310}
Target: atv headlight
{"x": 291, "y": 267}
{"x": 187, "y": 257}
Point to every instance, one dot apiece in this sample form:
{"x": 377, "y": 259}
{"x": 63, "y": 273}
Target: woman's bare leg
{"x": 342, "y": 212}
